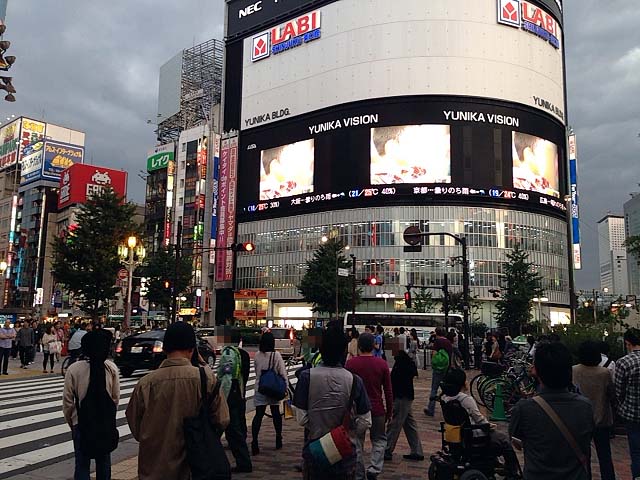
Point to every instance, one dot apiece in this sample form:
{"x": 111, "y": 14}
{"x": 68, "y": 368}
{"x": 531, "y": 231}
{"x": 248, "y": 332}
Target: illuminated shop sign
{"x": 286, "y": 36}
{"x": 531, "y": 18}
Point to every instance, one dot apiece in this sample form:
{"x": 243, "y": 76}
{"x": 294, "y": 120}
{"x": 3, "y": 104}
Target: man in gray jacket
{"x": 24, "y": 339}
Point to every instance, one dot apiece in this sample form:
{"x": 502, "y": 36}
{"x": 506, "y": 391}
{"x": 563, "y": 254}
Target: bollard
{"x": 424, "y": 359}
{"x": 498, "y": 415}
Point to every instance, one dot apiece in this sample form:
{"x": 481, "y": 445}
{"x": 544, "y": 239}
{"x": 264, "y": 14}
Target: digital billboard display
{"x": 402, "y": 151}
{"x": 411, "y": 154}
{"x": 535, "y": 164}
{"x": 287, "y": 170}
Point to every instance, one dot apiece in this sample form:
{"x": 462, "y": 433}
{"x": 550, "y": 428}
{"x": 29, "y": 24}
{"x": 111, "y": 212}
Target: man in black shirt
{"x": 548, "y": 455}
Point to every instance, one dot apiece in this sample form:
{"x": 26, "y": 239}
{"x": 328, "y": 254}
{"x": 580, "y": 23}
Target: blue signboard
{"x": 59, "y": 156}
{"x": 575, "y": 208}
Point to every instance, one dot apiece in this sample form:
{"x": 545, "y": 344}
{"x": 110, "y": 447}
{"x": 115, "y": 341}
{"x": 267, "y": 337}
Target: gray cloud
{"x": 94, "y": 66}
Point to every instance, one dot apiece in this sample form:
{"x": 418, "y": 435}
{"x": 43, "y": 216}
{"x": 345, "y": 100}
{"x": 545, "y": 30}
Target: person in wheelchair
{"x": 453, "y": 386}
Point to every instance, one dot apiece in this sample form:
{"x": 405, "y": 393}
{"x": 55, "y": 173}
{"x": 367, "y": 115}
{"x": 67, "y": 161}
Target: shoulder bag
{"x": 542, "y": 403}
{"x": 205, "y": 453}
{"x": 271, "y": 384}
{"x": 335, "y": 446}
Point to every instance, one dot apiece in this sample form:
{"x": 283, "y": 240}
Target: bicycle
{"x": 68, "y": 361}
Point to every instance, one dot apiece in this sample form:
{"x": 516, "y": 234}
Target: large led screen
{"x": 411, "y": 154}
{"x": 535, "y": 164}
{"x": 287, "y": 170}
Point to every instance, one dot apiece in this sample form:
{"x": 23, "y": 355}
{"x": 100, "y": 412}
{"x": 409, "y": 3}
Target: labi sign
{"x": 160, "y": 157}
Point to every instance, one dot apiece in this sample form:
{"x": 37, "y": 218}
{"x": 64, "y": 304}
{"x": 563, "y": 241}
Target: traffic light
{"x": 373, "y": 281}
{"x": 6, "y": 61}
{"x": 407, "y": 298}
{"x": 243, "y": 247}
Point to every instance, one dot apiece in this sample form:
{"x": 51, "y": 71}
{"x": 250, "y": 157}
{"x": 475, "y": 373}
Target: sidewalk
{"x": 33, "y": 370}
{"x": 272, "y": 463}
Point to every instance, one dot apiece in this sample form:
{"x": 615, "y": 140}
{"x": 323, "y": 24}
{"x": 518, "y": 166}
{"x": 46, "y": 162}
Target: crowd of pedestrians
{"x": 345, "y": 391}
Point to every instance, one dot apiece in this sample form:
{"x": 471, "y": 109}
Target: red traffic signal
{"x": 243, "y": 247}
{"x": 167, "y": 284}
{"x": 373, "y": 281}
{"x": 407, "y": 298}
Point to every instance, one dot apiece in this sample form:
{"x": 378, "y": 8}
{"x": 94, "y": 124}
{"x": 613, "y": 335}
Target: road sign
{"x": 412, "y": 236}
{"x": 123, "y": 274}
{"x": 343, "y": 272}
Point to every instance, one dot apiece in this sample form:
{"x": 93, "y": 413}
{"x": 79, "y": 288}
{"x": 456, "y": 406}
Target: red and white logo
{"x": 261, "y": 47}
{"x": 509, "y": 12}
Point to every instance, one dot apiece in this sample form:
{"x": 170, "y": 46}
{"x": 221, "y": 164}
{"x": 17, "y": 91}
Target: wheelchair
{"x": 466, "y": 449}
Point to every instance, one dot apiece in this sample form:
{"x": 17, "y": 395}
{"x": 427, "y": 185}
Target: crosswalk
{"x": 33, "y": 432}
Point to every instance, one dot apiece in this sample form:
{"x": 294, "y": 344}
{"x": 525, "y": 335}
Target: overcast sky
{"x": 93, "y": 66}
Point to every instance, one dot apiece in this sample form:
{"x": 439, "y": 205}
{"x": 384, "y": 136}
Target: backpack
{"x": 229, "y": 369}
{"x": 440, "y": 361}
{"x": 97, "y": 422}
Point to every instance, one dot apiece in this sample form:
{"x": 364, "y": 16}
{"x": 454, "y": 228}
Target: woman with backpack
{"x": 90, "y": 401}
{"x": 267, "y": 359}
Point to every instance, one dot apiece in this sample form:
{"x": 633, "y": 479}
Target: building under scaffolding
{"x": 190, "y": 85}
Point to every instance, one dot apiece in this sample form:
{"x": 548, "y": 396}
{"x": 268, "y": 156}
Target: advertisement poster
{"x": 9, "y": 144}
{"x": 31, "y": 137}
{"x": 287, "y": 170}
{"x": 575, "y": 205}
{"x": 215, "y": 190}
{"x": 227, "y": 208}
{"x": 81, "y": 181}
{"x": 411, "y": 154}
{"x": 160, "y": 157}
{"x": 535, "y": 164}
{"x": 31, "y": 165}
{"x": 58, "y": 157}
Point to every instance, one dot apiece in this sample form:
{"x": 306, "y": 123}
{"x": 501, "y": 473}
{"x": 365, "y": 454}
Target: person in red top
{"x": 374, "y": 372}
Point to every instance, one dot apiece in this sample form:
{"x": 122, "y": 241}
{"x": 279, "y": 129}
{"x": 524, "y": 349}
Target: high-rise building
{"x": 613, "y": 255}
{"x": 632, "y": 229}
{"x": 181, "y": 168}
{"x": 355, "y": 120}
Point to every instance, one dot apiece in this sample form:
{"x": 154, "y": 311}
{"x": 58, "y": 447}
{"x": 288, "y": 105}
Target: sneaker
{"x": 388, "y": 456}
{"x": 414, "y": 456}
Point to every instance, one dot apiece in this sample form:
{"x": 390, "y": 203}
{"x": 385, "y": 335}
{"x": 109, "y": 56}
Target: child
{"x": 455, "y": 381}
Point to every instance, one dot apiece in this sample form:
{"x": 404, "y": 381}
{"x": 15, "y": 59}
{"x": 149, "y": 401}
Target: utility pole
{"x": 174, "y": 289}
{"x": 353, "y": 290}
{"x": 445, "y": 300}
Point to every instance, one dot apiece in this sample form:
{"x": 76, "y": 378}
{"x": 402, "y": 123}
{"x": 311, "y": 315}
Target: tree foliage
{"x": 633, "y": 245}
{"x": 159, "y": 269}
{"x": 85, "y": 258}
{"x": 423, "y": 301}
{"x": 456, "y": 305}
{"x": 521, "y": 284}
{"x": 318, "y": 286}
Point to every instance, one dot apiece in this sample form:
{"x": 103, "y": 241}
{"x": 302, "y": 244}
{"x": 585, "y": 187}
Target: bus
{"x": 424, "y": 323}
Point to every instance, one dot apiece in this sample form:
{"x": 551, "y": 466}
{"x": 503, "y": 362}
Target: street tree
{"x": 85, "y": 256}
{"x": 319, "y": 284}
{"x": 160, "y": 272}
{"x": 423, "y": 301}
{"x": 456, "y": 305}
{"x": 521, "y": 284}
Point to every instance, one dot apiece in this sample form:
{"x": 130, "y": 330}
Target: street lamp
{"x": 540, "y": 301}
{"x": 133, "y": 255}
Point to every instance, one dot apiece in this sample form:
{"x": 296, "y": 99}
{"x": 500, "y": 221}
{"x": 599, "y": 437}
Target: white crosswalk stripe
{"x": 34, "y": 432}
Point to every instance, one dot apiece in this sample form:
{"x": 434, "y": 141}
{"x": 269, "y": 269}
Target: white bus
{"x": 424, "y": 323}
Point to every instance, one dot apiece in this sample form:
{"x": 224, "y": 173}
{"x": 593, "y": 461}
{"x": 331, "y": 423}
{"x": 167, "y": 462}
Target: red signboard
{"x": 227, "y": 208}
{"x": 81, "y": 181}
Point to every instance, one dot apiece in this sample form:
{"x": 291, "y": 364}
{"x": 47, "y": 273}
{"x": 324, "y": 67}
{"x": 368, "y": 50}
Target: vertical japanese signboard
{"x": 575, "y": 211}
{"x": 226, "y": 208}
{"x": 214, "y": 190}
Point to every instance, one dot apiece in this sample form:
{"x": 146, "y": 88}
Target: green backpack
{"x": 440, "y": 361}
{"x": 229, "y": 369}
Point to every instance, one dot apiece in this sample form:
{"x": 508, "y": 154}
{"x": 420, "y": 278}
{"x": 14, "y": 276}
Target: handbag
{"x": 584, "y": 460}
{"x": 335, "y": 446}
{"x": 205, "y": 453}
{"x": 55, "y": 347}
{"x": 271, "y": 384}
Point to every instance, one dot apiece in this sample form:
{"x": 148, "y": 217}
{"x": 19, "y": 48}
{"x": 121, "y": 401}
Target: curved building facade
{"x": 361, "y": 118}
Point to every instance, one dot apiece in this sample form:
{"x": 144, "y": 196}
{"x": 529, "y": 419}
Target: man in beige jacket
{"x": 160, "y": 403}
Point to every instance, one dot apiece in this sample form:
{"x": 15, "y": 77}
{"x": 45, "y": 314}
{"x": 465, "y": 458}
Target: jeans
{"x": 83, "y": 463}
{"x": 236, "y": 432}
{"x": 403, "y": 419}
{"x": 602, "y": 442}
{"x": 48, "y": 356}
{"x": 436, "y": 379}
{"x": 4, "y": 359}
{"x": 633, "y": 435}
{"x": 378, "y": 437}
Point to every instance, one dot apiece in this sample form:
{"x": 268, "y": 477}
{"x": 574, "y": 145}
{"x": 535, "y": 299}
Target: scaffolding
{"x": 201, "y": 89}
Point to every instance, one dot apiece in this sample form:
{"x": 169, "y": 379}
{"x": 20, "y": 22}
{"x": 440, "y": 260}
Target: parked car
{"x": 144, "y": 351}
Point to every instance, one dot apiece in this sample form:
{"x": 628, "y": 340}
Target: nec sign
{"x": 286, "y": 36}
{"x": 250, "y": 9}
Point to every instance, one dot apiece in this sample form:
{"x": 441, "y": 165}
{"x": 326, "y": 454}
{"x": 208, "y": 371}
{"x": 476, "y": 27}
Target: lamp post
{"x": 386, "y": 297}
{"x": 540, "y": 301}
{"x": 128, "y": 254}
